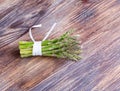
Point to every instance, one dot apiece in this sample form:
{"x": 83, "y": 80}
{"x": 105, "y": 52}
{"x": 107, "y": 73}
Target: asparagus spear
{"x": 66, "y": 46}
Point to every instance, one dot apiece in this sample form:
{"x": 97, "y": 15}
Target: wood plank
{"x": 97, "y": 23}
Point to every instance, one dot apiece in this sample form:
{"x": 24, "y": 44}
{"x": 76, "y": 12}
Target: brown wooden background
{"x": 98, "y": 24}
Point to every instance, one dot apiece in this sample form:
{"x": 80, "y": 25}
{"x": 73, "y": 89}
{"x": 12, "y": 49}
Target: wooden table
{"x": 96, "y": 21}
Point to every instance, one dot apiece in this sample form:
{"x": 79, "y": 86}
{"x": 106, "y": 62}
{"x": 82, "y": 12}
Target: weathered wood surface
{"x": 98, "y": 24}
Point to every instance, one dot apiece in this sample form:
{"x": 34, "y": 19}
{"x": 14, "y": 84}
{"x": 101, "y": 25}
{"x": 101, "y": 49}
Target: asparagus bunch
{"x": 66, "y": 46}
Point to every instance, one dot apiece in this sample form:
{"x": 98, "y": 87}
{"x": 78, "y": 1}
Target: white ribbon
{"x": 37, "y": 46}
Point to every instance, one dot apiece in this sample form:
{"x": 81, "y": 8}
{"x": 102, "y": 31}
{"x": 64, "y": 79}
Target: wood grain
{"x": 97, "y": 23}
